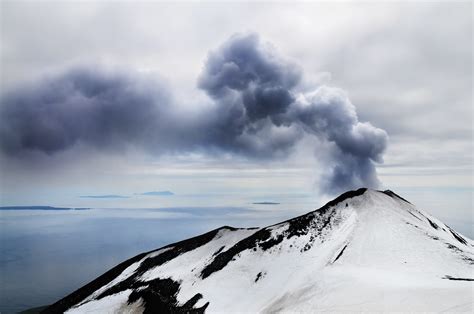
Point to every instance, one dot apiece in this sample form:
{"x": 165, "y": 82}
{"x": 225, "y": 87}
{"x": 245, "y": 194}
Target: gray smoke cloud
{"x": 100, "y": 108}
{"x": 256, "y": 112}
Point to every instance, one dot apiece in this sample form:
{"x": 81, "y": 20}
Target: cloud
{"x": 100, "y": 108}
{"x": 157, "y": 193}
{"x": 104, "y": 196}
{"x": 328, "y": 113}
{"x": 256, "y": 111}
{"x": 263, "y": 114}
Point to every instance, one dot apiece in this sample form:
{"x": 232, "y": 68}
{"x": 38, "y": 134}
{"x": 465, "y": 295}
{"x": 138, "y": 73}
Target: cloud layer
{"x": 255, "y": 112}
{"x": 100, "y": 108}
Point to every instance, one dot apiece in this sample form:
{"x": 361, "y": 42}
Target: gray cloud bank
{"x": 256, "y": 112}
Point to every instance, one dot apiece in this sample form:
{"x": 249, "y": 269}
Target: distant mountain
{"x": 40, "y": 208}
{"x": 364, "y": 251}
{"x": 158, "y": 193}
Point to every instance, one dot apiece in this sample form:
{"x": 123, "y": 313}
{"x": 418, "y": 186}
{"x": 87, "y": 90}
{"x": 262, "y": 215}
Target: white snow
{"x": 394, "y": 260}
{"x": 110, "y": 304}
{"x": 124, "y": 275}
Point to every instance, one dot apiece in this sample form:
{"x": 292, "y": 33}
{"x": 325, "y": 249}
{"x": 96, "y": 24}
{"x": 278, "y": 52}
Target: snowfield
{"x": 364, "y": 251}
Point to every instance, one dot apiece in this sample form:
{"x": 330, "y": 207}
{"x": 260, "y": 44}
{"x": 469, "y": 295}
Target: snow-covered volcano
{"x": 364, "y": 251}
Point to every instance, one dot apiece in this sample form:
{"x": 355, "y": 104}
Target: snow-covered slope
{"x": 364, "y": 251}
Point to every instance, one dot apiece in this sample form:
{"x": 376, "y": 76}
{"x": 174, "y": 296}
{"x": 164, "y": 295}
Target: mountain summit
{"x": 365, "y": 250}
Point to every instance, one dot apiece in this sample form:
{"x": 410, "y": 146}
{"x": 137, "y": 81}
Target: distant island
{"x": 41, "y": 208}
{"x": 104, "y": 196}
{"x": 157, "y": 193}
{"x": 266, "y": 203}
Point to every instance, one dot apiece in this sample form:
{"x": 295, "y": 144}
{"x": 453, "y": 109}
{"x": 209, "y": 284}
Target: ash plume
{"x": 256, "y": 112}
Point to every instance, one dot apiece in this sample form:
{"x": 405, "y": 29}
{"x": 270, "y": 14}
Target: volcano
{"x": 366, "y": 250}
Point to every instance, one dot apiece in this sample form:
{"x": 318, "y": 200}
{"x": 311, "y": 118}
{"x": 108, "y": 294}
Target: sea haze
{"x": 39, "y": 208}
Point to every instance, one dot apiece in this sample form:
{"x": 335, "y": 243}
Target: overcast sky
{"x": 406, "y": 67}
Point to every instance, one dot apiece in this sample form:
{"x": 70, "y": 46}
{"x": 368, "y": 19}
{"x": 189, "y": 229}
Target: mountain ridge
{"x": 183, "y": 276}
